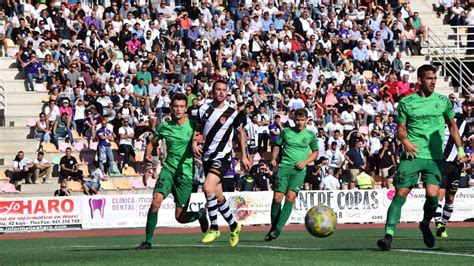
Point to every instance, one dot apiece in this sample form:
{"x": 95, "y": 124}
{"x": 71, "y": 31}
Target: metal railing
{"x": 3, "y": 102}
{"x": 449, "y": 58}
{"x": 459, "y": 38}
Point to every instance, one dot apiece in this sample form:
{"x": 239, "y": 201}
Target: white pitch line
{"x": 205, "y": 246}
{"x": 434, "y": 252}
{"x": 276, "y": 248}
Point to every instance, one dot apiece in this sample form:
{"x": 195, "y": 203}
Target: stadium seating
{"x": 49, "y": 148}
{"x": 122, "y": 184}
{"x": 9, "y": 188}
{"x": 107, "y": 185}
{"x": 85, "y": 169}
{"x": 151, "y": 183}
{"x": 138, "y": 184}
{"x": 74, "y": 186}
{"x": 31, "y": 122}
{"x": 20, "y": 114}
{"x": 40, "y": 88}
{"x": 378, "y": 181}
{"x": 113, "y": 146}
{"x": 3, "y": 176}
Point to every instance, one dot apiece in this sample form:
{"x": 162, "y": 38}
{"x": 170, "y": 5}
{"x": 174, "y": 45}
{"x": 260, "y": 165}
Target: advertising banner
{"x": 123, "y": 211}
{"x": 250, "y": 208}
{"x": 39, "y": 214}
{"x": 350, "y": 206}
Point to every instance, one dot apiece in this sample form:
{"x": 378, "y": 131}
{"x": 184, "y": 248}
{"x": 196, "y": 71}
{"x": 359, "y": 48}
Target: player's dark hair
{"x": 179, "y": 97}
{"x": 217, "y": 82}
{"x": 423, "y": 69}
{"x": 301, "y": 113}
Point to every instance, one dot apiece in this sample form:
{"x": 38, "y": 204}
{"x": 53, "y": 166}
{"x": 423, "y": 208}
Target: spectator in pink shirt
{"x": 66, "y": 108}
{"x": 403, "y": 85}
{"x": 133, "y": 44}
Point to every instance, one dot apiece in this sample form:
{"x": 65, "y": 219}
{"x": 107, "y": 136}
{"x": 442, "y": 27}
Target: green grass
{"x": 293, "y": 248}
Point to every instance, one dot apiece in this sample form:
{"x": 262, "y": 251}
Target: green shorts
{"x": 408, "y": 172}
{"x": 288, "y": 178}
{"x": 177, "y": 184}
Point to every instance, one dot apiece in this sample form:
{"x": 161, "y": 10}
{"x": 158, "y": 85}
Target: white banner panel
{"x": 350, "y": 206}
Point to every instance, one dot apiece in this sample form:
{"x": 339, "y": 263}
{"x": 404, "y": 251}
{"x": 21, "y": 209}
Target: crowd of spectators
{"x": 111, "y": 71}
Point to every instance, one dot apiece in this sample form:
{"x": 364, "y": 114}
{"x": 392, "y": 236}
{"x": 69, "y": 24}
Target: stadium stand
{"x": 265, "y": 69}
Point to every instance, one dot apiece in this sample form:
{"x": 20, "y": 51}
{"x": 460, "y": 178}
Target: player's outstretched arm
{"x": 453, "y": 129}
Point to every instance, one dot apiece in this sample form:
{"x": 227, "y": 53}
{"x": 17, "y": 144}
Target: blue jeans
{"x": 30, "y": 77}
{"x": 43, "y": 136}
{"x": 63, "y": 134}
{"x": 406, "y": 44}
{"x": 105, "y": 154}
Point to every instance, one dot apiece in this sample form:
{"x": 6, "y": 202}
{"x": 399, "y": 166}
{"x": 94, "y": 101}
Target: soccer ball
{"x": 320, "y": 221}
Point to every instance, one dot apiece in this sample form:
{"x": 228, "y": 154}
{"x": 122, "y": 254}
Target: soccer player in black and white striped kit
{"x": 216, "y": 124}
{"x": 451, "y": 174}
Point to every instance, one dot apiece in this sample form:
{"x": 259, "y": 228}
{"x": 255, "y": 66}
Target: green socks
{"x": 394, "y": 213}
{"x": 275, "y": 213}
{"x": 151, "y": 220}
{"x": 284, "y": 215}
{"x": 429, "y": 208}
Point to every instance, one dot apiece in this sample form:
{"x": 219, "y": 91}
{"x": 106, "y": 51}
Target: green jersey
{"x": 178, "y": 146}
{"x": 296, "y": 146}
{"x": 425, "y": 119}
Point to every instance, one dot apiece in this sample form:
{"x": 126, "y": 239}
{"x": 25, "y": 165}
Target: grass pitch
{"x": 344, "y": 247}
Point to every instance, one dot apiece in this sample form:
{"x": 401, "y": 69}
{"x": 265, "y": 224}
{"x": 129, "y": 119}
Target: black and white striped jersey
{"x": 450, "y": 150}
{"x": 218, "y": 126}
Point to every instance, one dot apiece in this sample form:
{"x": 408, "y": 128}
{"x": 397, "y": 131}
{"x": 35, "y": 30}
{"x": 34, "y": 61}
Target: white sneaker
{"x": 125, "y": 166}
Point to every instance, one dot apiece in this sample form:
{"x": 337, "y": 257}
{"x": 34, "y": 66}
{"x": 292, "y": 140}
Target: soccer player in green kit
{"x": 176, "y": 176}
{"x": 299, "y": 147}
{"x": 421, "y": 124}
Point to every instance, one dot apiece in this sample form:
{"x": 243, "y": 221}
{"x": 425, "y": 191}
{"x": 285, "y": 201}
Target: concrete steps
{"x": 19, "y": 119}
{"x": 7, "y": 134}
{"x": 24, "y": 109}
{"x": 6, "y": 62}
{"x": 11, "y": 73}
{"x": 29, "y": 145}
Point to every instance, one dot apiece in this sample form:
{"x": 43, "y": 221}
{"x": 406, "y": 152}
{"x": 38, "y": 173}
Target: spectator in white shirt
{"x": 42, "y": 169}
{"x": 348, "y": 119}
{"x": 330, "y": 182}
{"x": 334, "y": 125}
{"x": 126, "y": 134}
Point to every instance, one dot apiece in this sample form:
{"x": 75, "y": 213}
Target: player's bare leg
{"x": 151, "y": 220}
